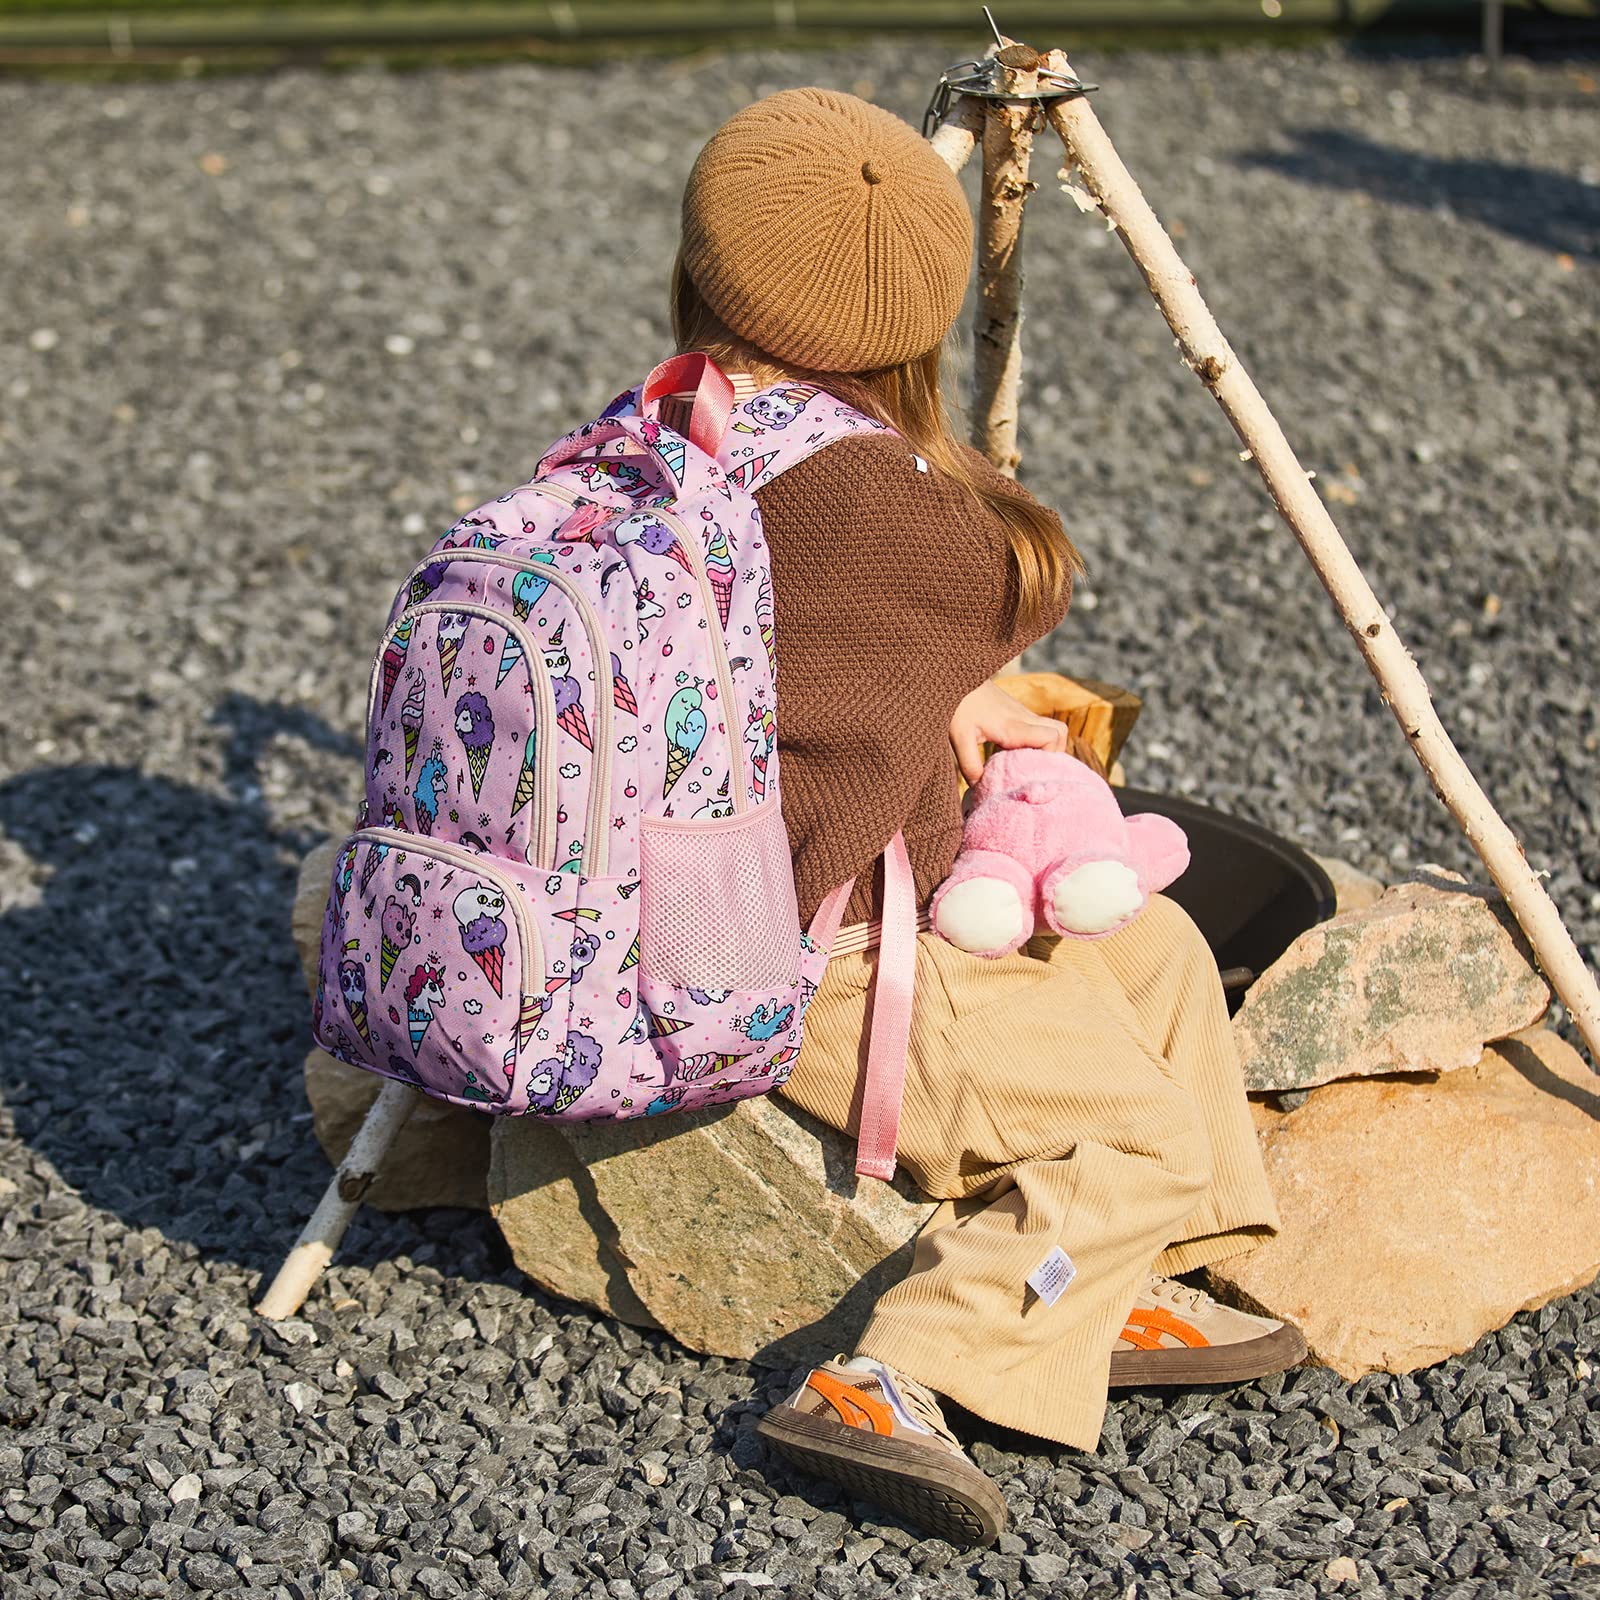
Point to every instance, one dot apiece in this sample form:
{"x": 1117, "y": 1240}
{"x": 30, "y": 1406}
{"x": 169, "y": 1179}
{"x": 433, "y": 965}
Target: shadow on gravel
{"x": 1549, "y": 210}
{"x": 155, "y": 1013}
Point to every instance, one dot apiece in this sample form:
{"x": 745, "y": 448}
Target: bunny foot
{"x": 986, "y": 907}
{"x": 1092, "y": 898}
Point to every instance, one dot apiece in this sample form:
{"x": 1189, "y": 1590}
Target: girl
{"x": 1077, "y": 1107}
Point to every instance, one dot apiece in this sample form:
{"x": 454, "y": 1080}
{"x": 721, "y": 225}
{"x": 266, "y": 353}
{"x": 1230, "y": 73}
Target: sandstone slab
{"x": 1417, "y": 981}
{"x": 741, "y": 1230}
{"x": 1419, "y": 1215}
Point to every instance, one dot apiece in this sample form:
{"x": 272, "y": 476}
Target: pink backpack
{"x": 570, "y": 892}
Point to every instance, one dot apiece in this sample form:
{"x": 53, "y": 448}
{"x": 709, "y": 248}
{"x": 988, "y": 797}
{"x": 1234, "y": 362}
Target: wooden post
{"x": 340, "y": 1201}
{"x": 997, "y": 336}
{"x": 1209, "y": 356}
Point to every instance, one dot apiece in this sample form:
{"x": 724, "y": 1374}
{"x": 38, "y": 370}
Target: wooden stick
{"x": 997, "y": 335}
{"x": 340, "y": 1201}
{"x": 1112, "y": 190}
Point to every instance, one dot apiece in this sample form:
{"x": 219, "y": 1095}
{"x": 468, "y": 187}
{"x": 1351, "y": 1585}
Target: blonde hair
{"x": 911, "y": 399}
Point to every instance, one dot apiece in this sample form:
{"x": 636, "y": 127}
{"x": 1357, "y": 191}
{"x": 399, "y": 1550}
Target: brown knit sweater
{"x": 892, "y": 590}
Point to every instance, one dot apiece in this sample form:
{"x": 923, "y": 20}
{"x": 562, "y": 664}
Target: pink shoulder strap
{"x": 893, "y": 985}
{"x": 782, "y": 425}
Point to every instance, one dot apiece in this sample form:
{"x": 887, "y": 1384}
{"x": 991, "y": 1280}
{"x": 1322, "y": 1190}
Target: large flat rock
{"x": 741, "y": 1230}
{"x": 1420, "y": 1215}
{"x": 1417, "y": 981}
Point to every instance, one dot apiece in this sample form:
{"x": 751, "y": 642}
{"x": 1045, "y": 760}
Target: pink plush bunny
{"x": 1045, "y": 836}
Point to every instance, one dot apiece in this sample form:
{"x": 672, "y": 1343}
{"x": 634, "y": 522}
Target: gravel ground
{"x": 259, "y": 339}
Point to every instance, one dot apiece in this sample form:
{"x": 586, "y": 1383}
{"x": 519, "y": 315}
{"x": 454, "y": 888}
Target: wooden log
{"x": 1101, "y": 714}
{"x": 1112, "y": 190}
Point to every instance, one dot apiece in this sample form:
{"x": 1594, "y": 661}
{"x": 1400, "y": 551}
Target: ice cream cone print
{"x": 677, "y": 763}
{"x": 670, "y": 448}
{"x": 574, "y": 721}
{"x": 375, "y": 854}
{"x": 424, "y": 996}
{"x": 411, "y": 720}
{"x": 694, "y": 1067}
{"x": 525, "y": 778}
{"x": 419, "y": 1022}
{"x": 388, "y": 954}
{"x": 394, "y": 657}
{"x": 748, "y": 471}
{"x": 483, "y": 931}
{"x": 685, "y": 730}
{"x": 659, "y": 1027}
{"x": 632, "y": 957}
{"x": 719, "y": 569}
{"x": 452, "y": 629}
{"x": 527, "y": 587}
{"x": 493, "y": 962}
{"x": 358, "y": 1015}
{"x": 475, "y": 728}
{"x": 764, "y": 620}
{"x": 622, "y": 696}
{"x": 510, "y": 655}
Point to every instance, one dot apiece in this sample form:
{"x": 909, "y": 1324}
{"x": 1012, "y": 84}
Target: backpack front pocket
{"x": 461, "y": 713}
{"x": 432, "y": 970}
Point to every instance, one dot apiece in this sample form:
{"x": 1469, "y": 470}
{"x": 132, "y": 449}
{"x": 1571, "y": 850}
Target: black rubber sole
{"x": 947, "y": 1496}
{"x": 1216, "y": 1363}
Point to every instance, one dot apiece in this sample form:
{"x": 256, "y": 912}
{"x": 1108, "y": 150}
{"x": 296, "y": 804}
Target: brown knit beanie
{"x": 824, "y": 231}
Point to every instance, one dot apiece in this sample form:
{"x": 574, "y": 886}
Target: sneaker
{"x": 1176, "y": 1334}
{"x": 882, "y": 1435}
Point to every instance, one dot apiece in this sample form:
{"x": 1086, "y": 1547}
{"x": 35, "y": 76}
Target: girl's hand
{"x": 990, "y": 715}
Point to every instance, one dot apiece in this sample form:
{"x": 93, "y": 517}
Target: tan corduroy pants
{"x": 1082, "y": 1094}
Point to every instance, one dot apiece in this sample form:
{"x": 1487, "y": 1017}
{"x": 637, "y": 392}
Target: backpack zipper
{"x": 597, "y": 838}
{"x": 459, "y": 856}
{"x": 719, "y": 652}
{"x": 533, "y": 656}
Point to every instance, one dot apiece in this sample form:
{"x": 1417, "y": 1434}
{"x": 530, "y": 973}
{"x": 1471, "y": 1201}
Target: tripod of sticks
{"x": 1000, "y": 107}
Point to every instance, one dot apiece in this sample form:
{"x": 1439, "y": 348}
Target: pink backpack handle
{"x": 687, "y": 468}
{"x": 892, "y": 992}
{"x": 712, "y": 390}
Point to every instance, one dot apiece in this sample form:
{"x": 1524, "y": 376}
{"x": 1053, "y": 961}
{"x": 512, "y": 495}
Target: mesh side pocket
{"x": 717, "y": 902}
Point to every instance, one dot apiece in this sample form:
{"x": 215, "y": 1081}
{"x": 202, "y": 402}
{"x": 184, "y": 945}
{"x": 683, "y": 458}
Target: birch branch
{"x": 997, "y": 335}
{"x": 1213, "y": 361}
{"x": 340, "y": 1201}
{"x": 956, "y": 137}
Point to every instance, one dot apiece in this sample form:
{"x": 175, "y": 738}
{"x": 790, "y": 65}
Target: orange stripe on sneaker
{"x": 855, "y": 1409}
{"x": 1140, "y": 1341}
{"x": 1155, "y": 1320}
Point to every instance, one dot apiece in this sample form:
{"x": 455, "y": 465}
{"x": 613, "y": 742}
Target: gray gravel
{"x": 259, "y": 339}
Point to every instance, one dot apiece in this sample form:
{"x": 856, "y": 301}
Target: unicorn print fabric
{"x": 569, "y": 893}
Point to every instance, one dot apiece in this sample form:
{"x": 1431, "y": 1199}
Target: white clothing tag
{"x": 1050, "y": 1278}
{"x": 921, "y": 465}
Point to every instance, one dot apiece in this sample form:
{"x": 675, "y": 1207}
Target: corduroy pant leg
{"x": 1162, "y": 964}
{"x": 1041, "y": 1106}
